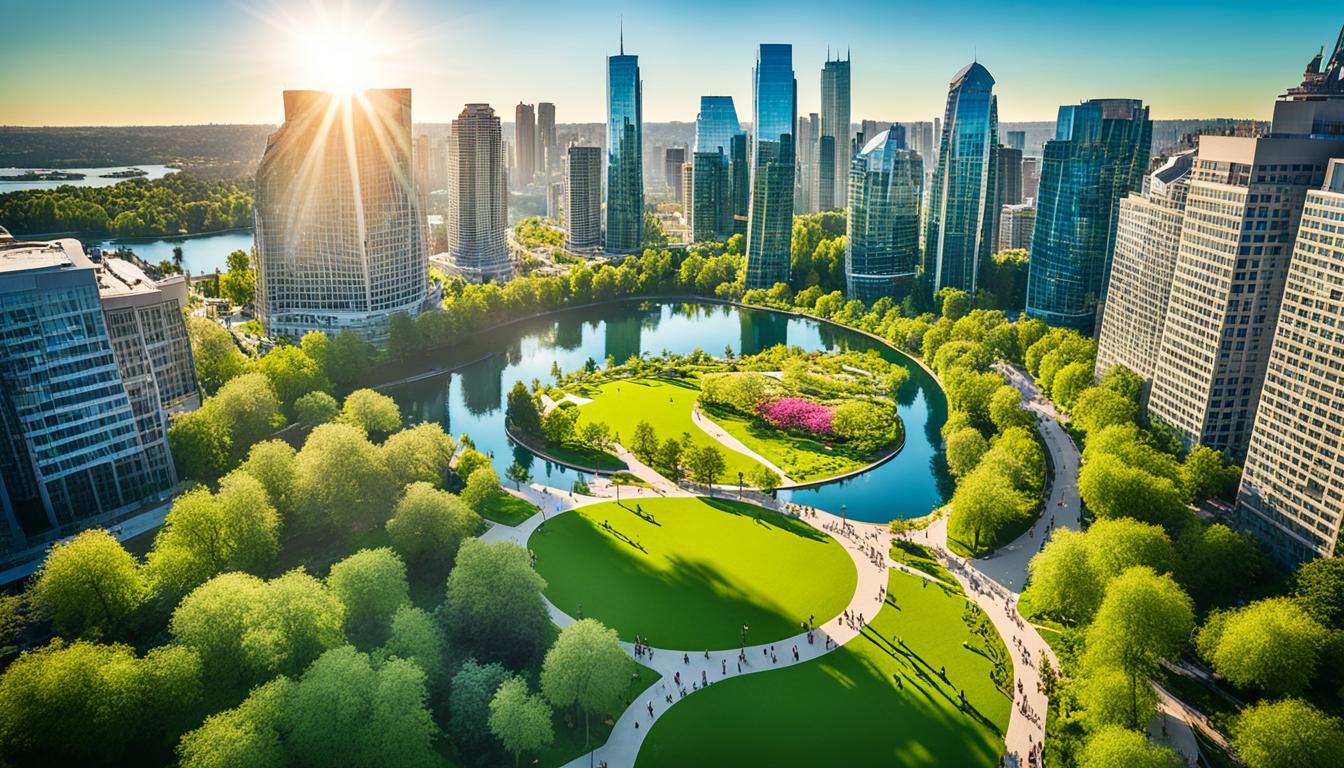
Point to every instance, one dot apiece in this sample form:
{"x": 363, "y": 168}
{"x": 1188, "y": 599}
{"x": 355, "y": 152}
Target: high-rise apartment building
{"x": 1017, "y": 140}
{"x": 478, "y": 197}
{"x": 1241, "y": 218}
{"x": 1147, "y": 235}
{"x": 770, "y": 215}
{"x": 711, "y": 207}
{"x": 1031, "y": 177}
{"x": 525, "y": 145}
{"x": 341, "y": 239}
{"x": 1009, "y": 183}
{"x": 739, "y": 182}
{"x": 826, "y": 172}
{"x": 673, "y": 159}
{"x": 1292, "y": 487}
{"x": 1098, "y": 156}
{"x": 547, "y": 154}
{"x": 625, "y": 153}
{"x": 583, "y": 198}
{"x": 1016, "y": 225}
{"x": 882, "y": 230}
{"x": 805, "y": 192}
{"x": 962, "y": 215}
{"x": 835, "y": 123}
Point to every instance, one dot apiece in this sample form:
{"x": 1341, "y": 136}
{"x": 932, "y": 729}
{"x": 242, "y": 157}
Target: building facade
{"x": 1017, "y": 140}
{"x": 882, "y": 233}
{"x": 711, "y": 209}
{"x": 478, "y": 197}
{"x": 805, "y": 185}
{"x": 583, "y": 198}
{"x": 739, "y": 182}
{"x": 770, "y": 214}
{"x": 525, "y": 145}
{"x": 341, "y": 238}
{"x": 1016, "y": 225}
{"x": 625, "y": 154}
{"x": 673, "y": 159}
{"x": 962, "y": 215}
{"x": 1098, "y": 156}
{"x": 548, "y": 151}
{"x": 835, "y": 123}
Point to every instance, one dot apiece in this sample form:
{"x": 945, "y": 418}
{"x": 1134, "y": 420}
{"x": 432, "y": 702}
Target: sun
{"x": 340, "y": 60}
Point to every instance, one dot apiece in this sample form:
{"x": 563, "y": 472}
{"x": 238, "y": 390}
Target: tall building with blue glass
{"x": 835, "y": 120}
{"x": 1098, "y": 156}
{"x": 711, "y": 204}
{"x": 770, "y": 213}
{"x": 882, "y": 237}
{"x": 962, "y": 213}
{"x": 625, "y": 154}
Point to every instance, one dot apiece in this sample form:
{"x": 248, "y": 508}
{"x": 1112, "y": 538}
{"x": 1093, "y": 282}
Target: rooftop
{"x": 21, "y": 256}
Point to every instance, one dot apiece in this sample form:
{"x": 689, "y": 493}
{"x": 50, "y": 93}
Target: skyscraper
{"x": 1246, "y": 194}
{"x": 962, "y": 214}
{"x": 1008, "y": 185}
{"x": 1292, "y": 488}
{"x": 739, "y": 183}
{"x": 920, "y": 138}
{"x": 770, "y": 216}
{"x": 835, "y": 121}
{"x": 1016, "y": 224}
{"x": 625, "y": 153}
{"x": 341, "y": 239}
{"x": 583, "y": 198}
{"x": 711, "y": 208}
{"x": 547, "y": 155}
{"x": 882, "y": 235}
{"x": 1017, "y": 140}
{"x": 1098, "y": 156}
{"x": 525, "y": 145}
{"x": 673, "y": 159}
{"x": 1031, "y": 177}
{"x": 826, "y": 171}
{"x": 805, "y": 193}
{"x": 478, "y": 196}
{"x": 1147, "y": 234}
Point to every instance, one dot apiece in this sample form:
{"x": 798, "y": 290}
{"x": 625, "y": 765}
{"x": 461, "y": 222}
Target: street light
{"x": 739, "y": 486}
{"x": 843, "y": 522}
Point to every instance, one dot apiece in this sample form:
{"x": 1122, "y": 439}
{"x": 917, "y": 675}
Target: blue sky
{"x": 117, "y": 62}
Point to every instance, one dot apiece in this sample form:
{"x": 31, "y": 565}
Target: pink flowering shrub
{"x": 797, "y": 413}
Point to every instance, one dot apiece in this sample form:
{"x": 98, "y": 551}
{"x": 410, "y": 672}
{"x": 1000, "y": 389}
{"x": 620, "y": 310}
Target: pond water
{"x": 471, "y": 400}
{"x": 200, "y": 255}
{"x": 93, "y": 177}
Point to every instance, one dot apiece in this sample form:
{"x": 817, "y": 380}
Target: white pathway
{"x": 732, "y": 443}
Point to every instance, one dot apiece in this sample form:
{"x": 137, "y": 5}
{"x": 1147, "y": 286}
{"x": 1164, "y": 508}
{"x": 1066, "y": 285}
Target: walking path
{"x": 1171, "y": 726}
{"x": 732, "y": 443}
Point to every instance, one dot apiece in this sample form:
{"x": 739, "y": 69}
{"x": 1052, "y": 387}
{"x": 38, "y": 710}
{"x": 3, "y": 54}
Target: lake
{"x": 471, "y": 400}
{"x": 92, "y": 177}
{"x": 200, "y": 255}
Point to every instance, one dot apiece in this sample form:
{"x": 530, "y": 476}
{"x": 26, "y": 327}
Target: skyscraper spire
{"x": 622, "y": 34}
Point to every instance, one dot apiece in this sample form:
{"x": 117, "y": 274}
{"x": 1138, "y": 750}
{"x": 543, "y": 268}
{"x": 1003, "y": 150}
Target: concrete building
{"x": 341, "y": 238}
{"x": 525, "y": 145}
{"x": 835, "y": 123}
{"x": 805, "y": 187}
{"x": 478, "y": 197}
{"x": 1031, "y": 177}
{"x": 1147, "y": 236}
{"x": 583, "y": 198}
{"x": 1016, "y": 225}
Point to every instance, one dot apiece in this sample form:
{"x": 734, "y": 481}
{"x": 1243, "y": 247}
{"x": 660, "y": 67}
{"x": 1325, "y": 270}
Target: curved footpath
{"x": 720, "y": 434}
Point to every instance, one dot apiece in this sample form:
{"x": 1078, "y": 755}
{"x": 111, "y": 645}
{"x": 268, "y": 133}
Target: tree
{"x": 669, "y": 458}
{"x": 1111, "y": 487}
{"x": 403, "y": 341}
{"x": 472, "y": 690}
{"x": 1070, "y": 382}
{"x": 1205, "y": 474}
{"x": 292, "y": 373}
{"x": 469, "y": 461}
{"x": 201, "y": 445}
{"x": 983, "y": 504}
{"x": 348, "y": 360}
{"x": 1218, "y": 564}
{"x": 316, "y": 408}
{"x": 493, "y": 607}
{"x": 422, "y": 453}
{"x": 1272, "y": 645}
{"x": 248, "y": 408}
{"x": 204, "y": 534}
{"x": 1143, "y": 618}
{"x": 247, "y": 736}
{"x": 964, "y": 449}
{"x": 271, "y": 462}
{"x": 706, "y": 464}
{"x": 1319, "y": 587}
{"x": 13, "y": 618}
{"x": 519, "y": 719}
{"x": 341, "y": 480}
{"x": 1116, "y": 545}
{"x": 375, "y": 413}
{"x": 89, "y": 586}
{"x": 595, "y": 435}
{"x": 429, "y": 525}
{"x": 955, "y": 304}
{"x": 414, "y": 635}
{"x": 1006, "y": 411}
{"x": 1287, "y": 734}
{"x": 519, "y": 474}
{"x": 1100, "y": 407}
{"x": 1116, "y": 747}
{"x": 558, "y": 425}
{"x": 239, "y": 284}
{"x": 1123, "y": 382}
{"x": 586, "y": 668}
{"x": 215, "y": 354}
{"x": 1108, "y": 700}
{"x": 1062, "y": 583}
{"x": 521, "y": 413}
{"x": 372, "y": 585}
{"x": 644, "y": 442}
{"x": 763, "y": 478}
{"x": 88, "y": 704}
{"x": 483, "y": 488}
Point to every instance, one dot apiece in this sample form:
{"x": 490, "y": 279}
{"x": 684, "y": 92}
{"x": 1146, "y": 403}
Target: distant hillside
{"x": 223, "y": 147}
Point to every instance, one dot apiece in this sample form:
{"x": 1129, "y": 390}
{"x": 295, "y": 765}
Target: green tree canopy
{"x": 429, "y": 525}
{"x": 372, "y": 585}
{"x": 247, "y": 736}
{"x": 1272, "y": 645}
{"x": 520, "y": 720}
{"x": 341, "y": 480}
{"x": 416, "y": 636}
{"x": 521, "y": 412}
{"x": 494, "y": 609}
{"x": 271, "y": 462}
{"x": 472, "y": 690}
{"x": 1287, "y": 734}
{"x": 421, "y": 453}
{"x": 1319, "y": 586}
{"x": 375, "y": 413}
{"x": 89, "y": 587}
{"x": 316, "y": 407}
{"x": 292, "y": 373}
{"x": 482, "y": 489}
{"x": 586, "y": 668}
{"x": 1116, "y": 747}
{"x": 215, "y": 354}
{"x": 964, "y": 449}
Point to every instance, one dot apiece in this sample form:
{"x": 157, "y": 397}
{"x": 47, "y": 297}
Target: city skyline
{"x": 441, "y": 54}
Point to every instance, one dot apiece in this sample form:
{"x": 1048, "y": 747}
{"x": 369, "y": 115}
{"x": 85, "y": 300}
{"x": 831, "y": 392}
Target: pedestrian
{"x": 725, "y": 667}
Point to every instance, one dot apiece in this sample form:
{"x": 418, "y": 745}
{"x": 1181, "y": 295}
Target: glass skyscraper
{"x": 739, "y": 183}
{"x": 882, "y": 242}
{"x": 770, "y": 216}
{"x": 835, "y": 119}
{"x": 711, "y": 206}
{"x": 962, "y": 212}
{"x": 625, "y": 154}
{"x": 1098, "y": 156}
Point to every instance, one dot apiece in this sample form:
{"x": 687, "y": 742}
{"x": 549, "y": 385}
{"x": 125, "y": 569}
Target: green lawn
{"x": 707, "y": 566}
{"x": 803, "y": 460}
{"x": 918, "y": 557}
{"x": 665, "y": 404}
{"x": 579, "y": 456}
{"x": 845, "y": 708}
{"x": 508, "y": 509}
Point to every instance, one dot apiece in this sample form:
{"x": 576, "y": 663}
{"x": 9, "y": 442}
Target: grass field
{"x": 508, "y": 509}
{"x": 845, "y": 708}
{"x": 803, "y": 460}
{"x": 706, "y": 567}
{"x": 666, "y": 405}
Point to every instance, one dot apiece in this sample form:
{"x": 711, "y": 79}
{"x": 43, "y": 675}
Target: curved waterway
{"x": 471, "y": 399}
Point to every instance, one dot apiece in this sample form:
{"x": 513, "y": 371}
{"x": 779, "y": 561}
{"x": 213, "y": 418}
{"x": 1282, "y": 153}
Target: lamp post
{"x": 843, "y": 522}
{"x": 739, "y": 486}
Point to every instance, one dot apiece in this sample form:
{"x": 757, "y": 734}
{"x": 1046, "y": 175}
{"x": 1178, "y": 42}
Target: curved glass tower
{"x": 882, "y": 239}
{"x": 962, "y": 212}
{"x": 711, "y": 206}
{"x": 625, "y": 154}
{"x": 1098, "y": 156}
{"x": 770, "y": 213}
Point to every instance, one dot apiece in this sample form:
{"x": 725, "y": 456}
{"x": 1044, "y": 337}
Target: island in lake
{"x": 45, "y": 176}
{"x": 129, "y": 173}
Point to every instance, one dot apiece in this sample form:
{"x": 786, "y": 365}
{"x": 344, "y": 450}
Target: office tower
{"x": 1031, "y": 177}
{"x": 686, "y": 190}
{"x": 525, "y": 145}
{"x": 583, "y": 198}
{"x": 835, "y": 124}
{"x": 770, "y": 213}
{"x": 920, "y": 139}
{"x": 547, "y": 150}
{"x": 804, "y": 187}
{"x": 1009, "y": 183}
{"x": 673, "y": 159}
{"x": 92, "y": 358}
{"x": 826, "y": 157}
{"x": 341, "y": 239}
{"x": 1147, "y": 233}
{"x": 962, "y": 215}
{"x": 625, "y": 153}
{"x": 882, "y": 234}
{"x": 1017, "y": 140}
{"x": 1292, "y": 487}
{"x": 1016, "y": 224}
{"x": 1246, "y": 194}
{"x": 1098, "y": 156}
{"x": 422, "y": 156}
{"x": 739, "y": 183}
{"x": 478, "y": 199}
{"x": 711, "y": 209}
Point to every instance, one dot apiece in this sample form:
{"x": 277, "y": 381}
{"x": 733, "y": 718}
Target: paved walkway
{"x": 1171, "y": 726}
{"x": 733, "y": 444}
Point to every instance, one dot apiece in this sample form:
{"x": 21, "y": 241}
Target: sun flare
{"x": 342, "y": 61}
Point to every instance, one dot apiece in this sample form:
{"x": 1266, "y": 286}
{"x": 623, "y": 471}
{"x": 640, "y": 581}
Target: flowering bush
{"x": 797, "y": 413}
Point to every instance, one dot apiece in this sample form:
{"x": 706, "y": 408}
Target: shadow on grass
{"x": 768, "y": 518}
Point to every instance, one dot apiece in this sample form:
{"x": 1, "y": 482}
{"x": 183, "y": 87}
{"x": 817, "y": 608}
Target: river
{"x": 201, "y": 254}
{"x": 471, "y": 401}
{"x": 92, "y": 177}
